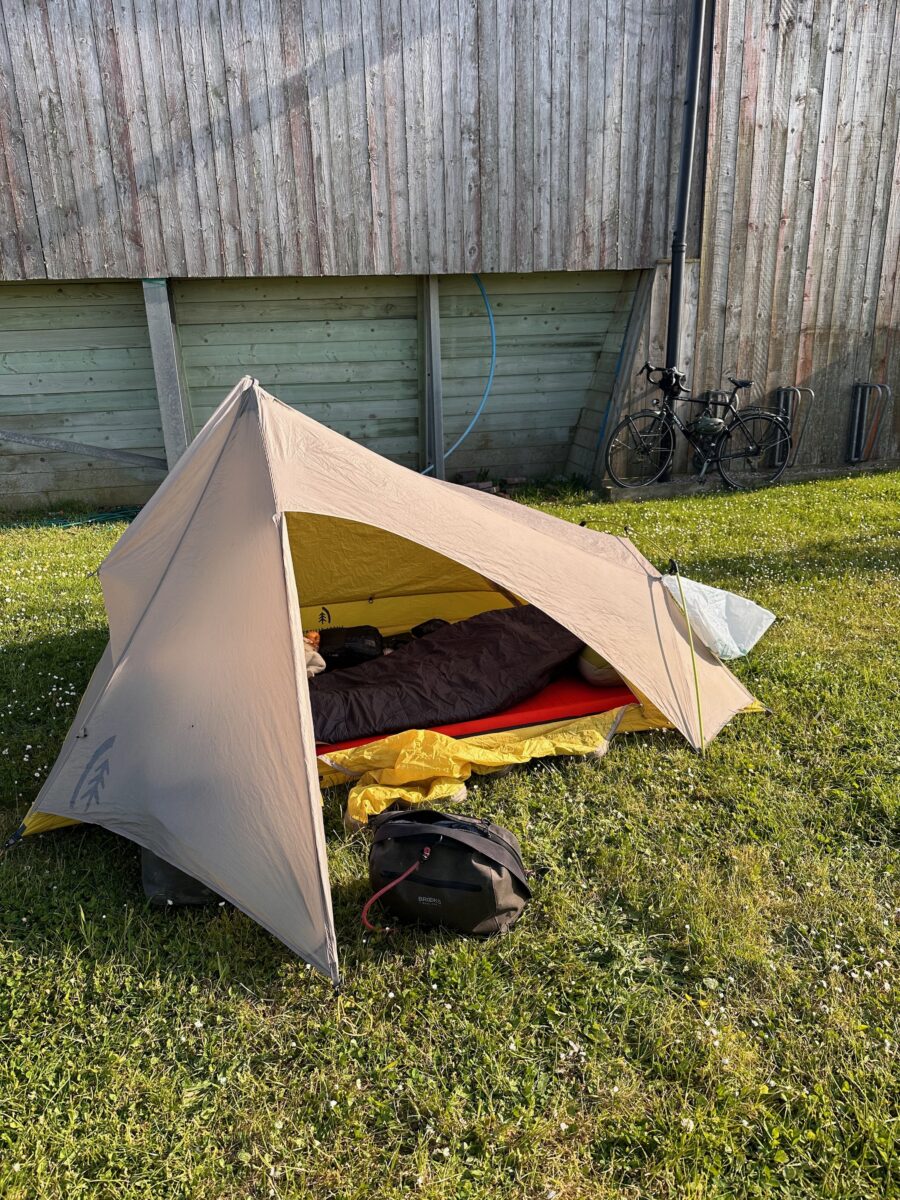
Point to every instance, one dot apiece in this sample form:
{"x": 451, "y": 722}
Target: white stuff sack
{"x": 729, "y": 624}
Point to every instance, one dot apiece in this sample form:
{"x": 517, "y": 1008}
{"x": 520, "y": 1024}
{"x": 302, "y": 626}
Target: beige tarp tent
{"x": 195, "y": 738}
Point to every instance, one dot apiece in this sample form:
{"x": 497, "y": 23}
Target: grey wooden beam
{"x": 171, "y": 391}
{"x": 127, "y": 457}
{"x": 434, "y": 387}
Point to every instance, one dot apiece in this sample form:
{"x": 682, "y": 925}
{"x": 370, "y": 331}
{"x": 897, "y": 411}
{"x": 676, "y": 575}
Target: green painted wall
{"x": 75, "y": 363}
{"x": 344, "y": 351}
{"x": 558, "y": 341}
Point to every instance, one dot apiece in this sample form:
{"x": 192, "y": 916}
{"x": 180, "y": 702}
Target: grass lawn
{"x": 700, "y": 1002}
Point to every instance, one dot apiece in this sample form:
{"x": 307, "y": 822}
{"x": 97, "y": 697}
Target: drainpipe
{"x": 683, "y": 200}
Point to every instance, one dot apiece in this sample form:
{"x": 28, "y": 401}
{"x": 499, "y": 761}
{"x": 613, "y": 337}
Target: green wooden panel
{"x": 62, "y": 403}
{"x": 345, "y": 351}
{"x": 81, "y": 337}
{"x": 207, "y": 399}
{"x": 75, "y": 364}
{"x": 283, "y": 333}
{"x": 237, "y": 291}
{"x": 555, "y": 337}
{"x": 282, "y": 353}
{"x": 61, "y": 295}
{"x": 49, "y": 318}
{"x": 261, "y": 312}
{"x": 47, "y": 362}
{"x": 97, "y": 494}
{"x": 454, "y": 305}
{"x": 64, "y": 382}
{"x": 539, "y": 282}
{"x": 74, "y": 424}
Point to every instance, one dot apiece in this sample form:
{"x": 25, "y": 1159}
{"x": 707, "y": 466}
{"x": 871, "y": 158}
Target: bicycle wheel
{"x": 640, "y": 449}
{"x": 754, "y": 449}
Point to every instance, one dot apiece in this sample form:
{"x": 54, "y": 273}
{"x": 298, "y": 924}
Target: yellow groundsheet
{"x": 420, "y": 766}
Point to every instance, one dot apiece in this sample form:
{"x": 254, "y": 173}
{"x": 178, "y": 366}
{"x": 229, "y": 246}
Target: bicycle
{"x": 748, "y": 447}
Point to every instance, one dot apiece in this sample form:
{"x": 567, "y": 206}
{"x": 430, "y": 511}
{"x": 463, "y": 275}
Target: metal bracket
{"x": 788, "y": 402}
{"x": 863, "y": 433}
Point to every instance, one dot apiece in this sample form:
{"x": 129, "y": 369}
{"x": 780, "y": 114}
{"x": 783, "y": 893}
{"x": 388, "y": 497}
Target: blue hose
{"x": 490, "y": 379}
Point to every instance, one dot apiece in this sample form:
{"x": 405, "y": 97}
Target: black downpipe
{"x": 683, "y": 200}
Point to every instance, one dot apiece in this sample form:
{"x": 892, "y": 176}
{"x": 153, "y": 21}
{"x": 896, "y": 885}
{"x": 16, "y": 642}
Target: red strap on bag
{"x": 426, "y": 852}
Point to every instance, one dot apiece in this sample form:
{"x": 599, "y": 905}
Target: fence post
{"x": 434, "y": 387}
{"x": 171, "y": 392}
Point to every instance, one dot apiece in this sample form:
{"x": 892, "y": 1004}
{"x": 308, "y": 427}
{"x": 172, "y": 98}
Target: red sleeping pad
{"x": 562, "y": 700}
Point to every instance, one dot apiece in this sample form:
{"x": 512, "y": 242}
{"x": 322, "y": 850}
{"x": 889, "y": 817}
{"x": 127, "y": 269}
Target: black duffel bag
{"x": 461, "y": 872}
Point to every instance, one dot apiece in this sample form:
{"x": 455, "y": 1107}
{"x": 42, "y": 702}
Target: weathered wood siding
{"x": 75, "y": 363}
{"x": 558, "y": 341}
{"x": 293, "y": 137}
{"x": 801, "y": 240}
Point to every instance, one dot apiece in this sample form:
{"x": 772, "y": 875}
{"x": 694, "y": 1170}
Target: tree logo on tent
{"x": 93, "y": 777}
{"x": 324, "y": 616}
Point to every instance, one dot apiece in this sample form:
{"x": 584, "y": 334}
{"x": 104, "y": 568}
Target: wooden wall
{"x": 558, "y": 337}
{"x": 344, "y": 351}
{"x": 203, "y": 138}
{"x": 801, "y": 239}
{"x": 75, "y": 363}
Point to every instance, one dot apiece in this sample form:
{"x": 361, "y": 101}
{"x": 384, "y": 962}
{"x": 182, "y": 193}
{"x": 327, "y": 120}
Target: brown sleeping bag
{"x": 463, "y": 671}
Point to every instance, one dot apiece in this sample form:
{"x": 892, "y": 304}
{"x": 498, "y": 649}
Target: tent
{"x": 194, "y": 737}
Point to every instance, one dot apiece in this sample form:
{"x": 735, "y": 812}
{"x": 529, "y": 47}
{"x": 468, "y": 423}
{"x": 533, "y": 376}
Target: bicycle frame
{"x": 671, "y": 384}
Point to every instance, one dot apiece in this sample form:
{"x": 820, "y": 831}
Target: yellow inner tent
{"x": 348, "y": 573}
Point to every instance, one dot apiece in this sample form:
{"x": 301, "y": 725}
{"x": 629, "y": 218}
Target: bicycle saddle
{"x": 740, "y": 383}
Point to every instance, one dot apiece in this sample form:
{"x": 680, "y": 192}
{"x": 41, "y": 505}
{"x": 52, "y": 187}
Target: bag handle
{"x": 364, "y": 916}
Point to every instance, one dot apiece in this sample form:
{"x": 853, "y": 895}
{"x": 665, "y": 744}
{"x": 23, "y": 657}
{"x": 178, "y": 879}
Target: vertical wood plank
{"x": 562, "y": 52}
{"x": 451, "y": 99}
{"x": 330, "y": 252}
{"x": 195, "y": 133}
{"x": 543, "y": 115}
{"x": 414, "y": 120}
{"x": 469, "y": 132}
{"x": 361, "y": 188}
{"x": 507, "y": 102}
{"x": 250, "y": 65}
{"x": 376, "y": 97}
{"x": 20, "y": 236}
{"x": 296, "y": 93}
{"x": 129, "y": 126}
{"x": 207, "y": 82}
{"x": 148, "y": 56}
{"x": 524, "y": 135}
{"x": 583, "y": 147}
{"x": 287, "y": 181}
{"x": 47, "y": 157}
{"x": 176, "y": 133}
{"x": 603, "y": 252}
{"x": 433, "y": 147}
{"x": 489, "y": 135}
{"x": 629, "y": 144}
{"x": 90, "y": 107}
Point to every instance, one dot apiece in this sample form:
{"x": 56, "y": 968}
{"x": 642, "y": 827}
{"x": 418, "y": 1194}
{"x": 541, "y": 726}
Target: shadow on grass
{"x": 76, "y": 893}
